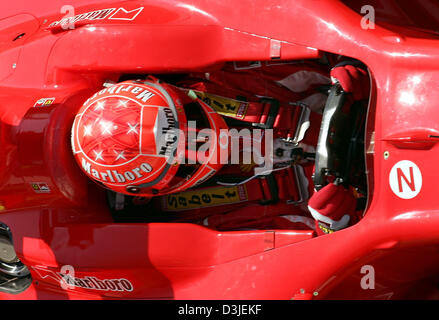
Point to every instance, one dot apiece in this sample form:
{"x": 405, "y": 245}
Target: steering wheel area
{"x": 340, "y": 149}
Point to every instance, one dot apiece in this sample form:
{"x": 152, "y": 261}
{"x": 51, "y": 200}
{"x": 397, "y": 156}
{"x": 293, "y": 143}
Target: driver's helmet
{"x": 131, "y": 138}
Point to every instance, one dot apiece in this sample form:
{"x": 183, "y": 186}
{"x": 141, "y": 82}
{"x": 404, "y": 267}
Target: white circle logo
{"x": 405, "y": 179}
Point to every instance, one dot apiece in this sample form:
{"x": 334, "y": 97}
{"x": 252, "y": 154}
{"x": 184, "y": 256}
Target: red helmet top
{"x": 131, "y": 138}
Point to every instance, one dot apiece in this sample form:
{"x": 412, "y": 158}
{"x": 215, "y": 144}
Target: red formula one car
{"x": 219, "y": 149}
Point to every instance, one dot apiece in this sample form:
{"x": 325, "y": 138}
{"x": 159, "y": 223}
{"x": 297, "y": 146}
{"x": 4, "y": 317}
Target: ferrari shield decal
{"x": 202, "y": 198}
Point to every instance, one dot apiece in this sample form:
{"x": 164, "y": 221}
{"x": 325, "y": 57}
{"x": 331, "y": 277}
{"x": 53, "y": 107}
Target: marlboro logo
{"x": 97, "y": 284}
{"x": 102, "y": 14}
{"x": 114, "y": 175}
{"x": 88, "y": 282}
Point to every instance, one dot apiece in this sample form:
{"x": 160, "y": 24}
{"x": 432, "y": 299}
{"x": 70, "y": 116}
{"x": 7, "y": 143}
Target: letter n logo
{"x": 405, "y": 179}
{"x": 410, "y": 182}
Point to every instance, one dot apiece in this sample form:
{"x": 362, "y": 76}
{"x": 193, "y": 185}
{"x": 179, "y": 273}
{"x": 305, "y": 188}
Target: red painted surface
{"x": 71, "y": 225}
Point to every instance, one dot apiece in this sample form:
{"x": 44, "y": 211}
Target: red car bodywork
{"x": 58, "y": 217}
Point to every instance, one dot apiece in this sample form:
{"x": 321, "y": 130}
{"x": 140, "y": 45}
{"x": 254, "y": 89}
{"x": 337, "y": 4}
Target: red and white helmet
{"x": 131, "y": 138}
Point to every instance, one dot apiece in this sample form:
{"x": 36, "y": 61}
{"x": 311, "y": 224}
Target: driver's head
{"x": 132, "y": 138}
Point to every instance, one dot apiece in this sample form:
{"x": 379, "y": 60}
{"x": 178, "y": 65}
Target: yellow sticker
{"x": 206, "y": 197}
{"x": 224, "y": 106}
{"x": 325, "y": 229}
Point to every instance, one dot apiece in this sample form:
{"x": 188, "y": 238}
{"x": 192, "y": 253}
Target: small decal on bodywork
{"x": 40, "y": 187}
{"x": 44, "y": 102}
